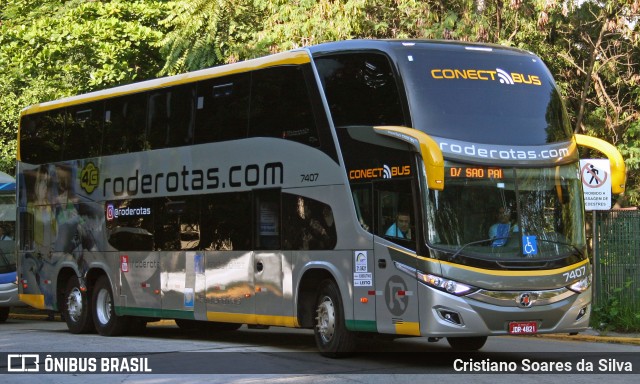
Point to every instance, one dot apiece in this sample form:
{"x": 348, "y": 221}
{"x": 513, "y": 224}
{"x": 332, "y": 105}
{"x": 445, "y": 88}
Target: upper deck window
{"x": 498, "y": 97}
{"x": 361, "y": 89}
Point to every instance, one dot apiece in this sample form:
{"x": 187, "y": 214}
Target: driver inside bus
{"x": 400, "y": 228}
{"x": 499, "y": 232}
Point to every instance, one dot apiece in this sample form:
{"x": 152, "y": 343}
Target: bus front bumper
{"x": 452, "y": 316}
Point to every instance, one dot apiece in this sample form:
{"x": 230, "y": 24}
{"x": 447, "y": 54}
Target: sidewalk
{"x": 590, "y": 335}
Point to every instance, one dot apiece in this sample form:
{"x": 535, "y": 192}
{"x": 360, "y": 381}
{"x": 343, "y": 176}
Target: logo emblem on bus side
{"x": 89, "y": 177}
{"x": 525, "y": 300}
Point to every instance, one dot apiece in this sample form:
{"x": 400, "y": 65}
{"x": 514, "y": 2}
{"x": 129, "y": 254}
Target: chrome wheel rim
{"x": 326, "y": 320}
{"x": 74, "y": 304}
{"x": 103, "y": 306}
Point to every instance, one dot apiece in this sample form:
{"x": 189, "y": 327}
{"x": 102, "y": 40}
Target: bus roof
{"x": 295, "y": 57}
{"x": 385, "y": 45}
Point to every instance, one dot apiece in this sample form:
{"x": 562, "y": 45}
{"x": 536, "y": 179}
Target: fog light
{"x": 450, "y": 316}
{"x": 583, "y": 311}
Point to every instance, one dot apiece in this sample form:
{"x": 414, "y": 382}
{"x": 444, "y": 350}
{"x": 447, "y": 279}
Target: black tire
{"x": 4, "y": 314}
{"x": 106, "y": 321}
{"x": 332, "y": 336}
{"x": 76, "y": 307}
{"x": 467, "y": 343}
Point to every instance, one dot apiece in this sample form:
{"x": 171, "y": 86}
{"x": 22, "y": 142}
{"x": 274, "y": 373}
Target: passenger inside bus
{"x": 400, "y": 228}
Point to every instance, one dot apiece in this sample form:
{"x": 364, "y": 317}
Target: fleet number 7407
{"x": 575, "y": 274}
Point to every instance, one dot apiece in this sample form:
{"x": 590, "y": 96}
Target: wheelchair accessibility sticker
{"x": 529, "y": 245}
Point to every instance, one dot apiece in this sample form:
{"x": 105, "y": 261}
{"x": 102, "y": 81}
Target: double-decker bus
{"x": 415, "y": 188}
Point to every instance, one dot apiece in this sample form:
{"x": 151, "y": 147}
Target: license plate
{"x": 523, "y": 327}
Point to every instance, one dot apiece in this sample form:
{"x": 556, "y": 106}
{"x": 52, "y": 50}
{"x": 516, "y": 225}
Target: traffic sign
{"x": 596, "y": 183}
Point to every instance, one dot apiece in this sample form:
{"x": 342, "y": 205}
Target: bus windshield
{"x": 498, "y": 96}
{"x": 507, "y": 213}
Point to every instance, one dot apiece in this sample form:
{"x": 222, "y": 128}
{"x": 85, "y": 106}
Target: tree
{"x": 205, "y": 33}
{"x": 601, "y": 44}
{"x": 51, "y": 49}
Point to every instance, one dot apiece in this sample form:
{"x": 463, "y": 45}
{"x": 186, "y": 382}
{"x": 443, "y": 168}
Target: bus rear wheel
{"x": 104, "y": 314}
{"x": 76, "y": 308}
{"x": 467, "y": 343}
{"x": 332, "y": 336}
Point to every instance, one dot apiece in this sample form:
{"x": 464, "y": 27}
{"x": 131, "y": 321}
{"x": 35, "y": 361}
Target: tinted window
{"x": 41, "y": 137}
{"x": 170, "y": 117}
{"x": 83, "y": 131}
{"x": 222, "y": 109}
{"x": 124, "y": 124}
{"x": 307, "y": 224}
{"x": 130, "y": 224}
{"x": 281, "y": 106}
{"x": 225, "y": 222}
{"x": 394, "y": 212}
{"x": 177, "y": 223}
{"x": 362, "y": 200}
{"x": 360, "y": 89}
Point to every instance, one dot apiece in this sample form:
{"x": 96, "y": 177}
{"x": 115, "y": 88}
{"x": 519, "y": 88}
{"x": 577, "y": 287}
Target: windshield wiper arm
{"x": 453, "y": 257}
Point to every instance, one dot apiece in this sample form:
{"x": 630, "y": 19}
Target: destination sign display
{"x": 476, "y": 172}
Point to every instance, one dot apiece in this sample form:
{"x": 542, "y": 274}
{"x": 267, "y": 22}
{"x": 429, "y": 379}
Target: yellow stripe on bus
{"x": 544, "y": 272}
{"x": 242, "y": 318}
{"x": 36, "y": 301}
{"x": 411, "y": 329}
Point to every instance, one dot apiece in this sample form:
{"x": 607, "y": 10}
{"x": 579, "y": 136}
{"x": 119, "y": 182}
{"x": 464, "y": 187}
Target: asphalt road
{"x": 279, "y": 355}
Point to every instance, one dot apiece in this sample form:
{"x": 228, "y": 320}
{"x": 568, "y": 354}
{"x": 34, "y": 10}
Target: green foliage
{"x": 208, "y": 32}
{"x": 51, "y": 49}
{"x": 617, "y": 314}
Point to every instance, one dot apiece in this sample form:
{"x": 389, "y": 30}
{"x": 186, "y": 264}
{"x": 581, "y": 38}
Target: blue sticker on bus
{"x": 529, "y": 245}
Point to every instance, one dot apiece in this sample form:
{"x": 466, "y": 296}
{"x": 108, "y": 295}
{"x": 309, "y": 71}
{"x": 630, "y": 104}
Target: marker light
{"x": 581, "y": 285}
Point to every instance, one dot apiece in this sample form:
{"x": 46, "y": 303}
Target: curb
{"x": 629, "y": 340}
{"x": 594, "y": 338}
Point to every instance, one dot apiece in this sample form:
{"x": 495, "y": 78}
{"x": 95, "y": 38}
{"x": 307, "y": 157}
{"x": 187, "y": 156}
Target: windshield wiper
{"x": 453, "y": 257}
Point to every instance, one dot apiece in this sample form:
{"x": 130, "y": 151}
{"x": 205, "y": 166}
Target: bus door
{"x": 364, "y": 311}
{"x": 268, "y": 259}
{"x": 397, "y": 309}
{"x": 225, "y": 233}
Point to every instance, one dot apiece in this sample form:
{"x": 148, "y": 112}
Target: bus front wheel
{"x": 467, "y": 343}
{"x": 332, "y": 336}
{"x": 75, "y": 307}
{"x": 104, "y": 314}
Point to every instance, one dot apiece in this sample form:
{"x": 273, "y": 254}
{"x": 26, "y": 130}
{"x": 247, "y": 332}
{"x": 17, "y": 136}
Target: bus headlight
{"x": 450, "y": 286}
{"x": 581, "y": 285}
